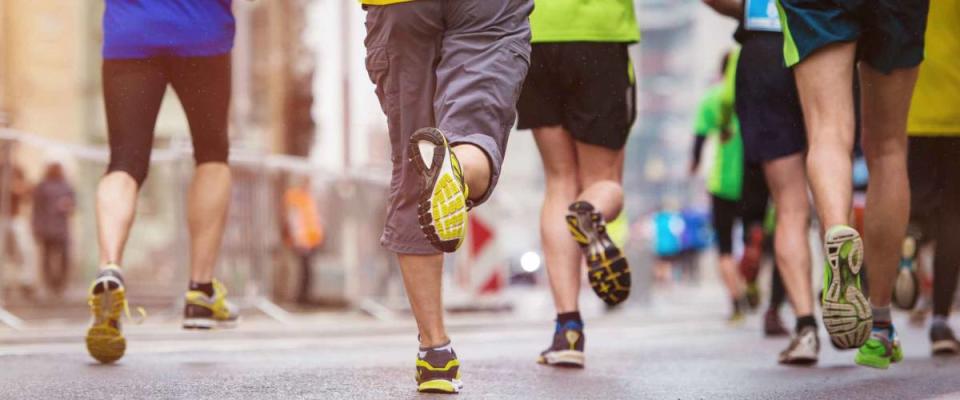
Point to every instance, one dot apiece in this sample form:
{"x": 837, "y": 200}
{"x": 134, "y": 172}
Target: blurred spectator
{"x": 304, "y": 232}
{"x": 53, "y": 203}
{"x": 21, "y": 253}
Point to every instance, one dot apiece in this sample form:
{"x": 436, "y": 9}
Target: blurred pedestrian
{"x": 447, "y": 74}
{"x": 716, "y": 118}
{"x": 825, "y": 42}
{"x": 149, "y": 45}
{"x": 580, "y": 101}
{"x": 54, "y": 201}
{"x": 934, "y": 166}
{"x": 304, "y": 232}
{"x": 21, "y": 250}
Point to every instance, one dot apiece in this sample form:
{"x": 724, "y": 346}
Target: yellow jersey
{"x": 935, "y": 109}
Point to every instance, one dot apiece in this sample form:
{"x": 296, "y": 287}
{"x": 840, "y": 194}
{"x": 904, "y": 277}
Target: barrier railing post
{"x": 6, "y": 317}
{"x": 260, "y": 278}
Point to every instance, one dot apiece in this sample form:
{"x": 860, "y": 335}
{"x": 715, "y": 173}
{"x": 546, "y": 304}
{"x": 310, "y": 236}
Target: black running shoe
{"x": 942, "y": 341}
{"x": 608, "y": 271}
{"x": 567, "y": 347}
{"x": 438, "y": 371}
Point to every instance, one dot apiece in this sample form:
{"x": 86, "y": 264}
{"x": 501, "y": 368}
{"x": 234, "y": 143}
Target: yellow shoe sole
{"x": 439, "y": 386}
{"x": 105, "y": 343}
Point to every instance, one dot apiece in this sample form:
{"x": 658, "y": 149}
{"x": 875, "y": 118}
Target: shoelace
{"x": 125, "y": 311}
{"x": 219, "y": 290}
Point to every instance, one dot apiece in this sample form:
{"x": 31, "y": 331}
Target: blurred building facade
{"x": 50, "y": 74}
{"x": 50, "y": 88}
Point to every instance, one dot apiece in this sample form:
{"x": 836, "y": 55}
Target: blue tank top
{"x": 150, "y": 28}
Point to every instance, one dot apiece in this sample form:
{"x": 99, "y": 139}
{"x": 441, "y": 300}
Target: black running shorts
{"x": 588, "y": 88}
{"x": 767, "y": 103}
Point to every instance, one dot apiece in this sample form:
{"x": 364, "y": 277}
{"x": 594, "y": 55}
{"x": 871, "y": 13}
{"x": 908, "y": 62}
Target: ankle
{"x": 433, "y": 341}
{"x": 938, "y": 321}
{"x": 881, "y": 314}
{"x": 568, "y": 317}
{"x": 804, "y": 322}
{"x": 205, "y": 287}
{"x": 109, "y": 265}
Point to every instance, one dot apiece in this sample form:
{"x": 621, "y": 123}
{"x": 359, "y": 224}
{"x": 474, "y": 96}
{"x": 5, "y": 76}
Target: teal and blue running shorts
{"x": 889, "y": 33}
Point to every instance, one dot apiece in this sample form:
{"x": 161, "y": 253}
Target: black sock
{"x": 573, "y": 316}
{"x": 805, "y": 321}
{"x": 206, "y": 288}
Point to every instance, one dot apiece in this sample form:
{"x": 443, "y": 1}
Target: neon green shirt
{"x": 584, "y": 21}
{"x": 726, "y": 174}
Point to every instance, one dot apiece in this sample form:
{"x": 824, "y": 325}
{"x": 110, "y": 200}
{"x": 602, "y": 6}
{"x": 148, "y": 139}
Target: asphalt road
{"x": 684, "y": 352}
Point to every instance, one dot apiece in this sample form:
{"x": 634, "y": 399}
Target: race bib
{"x": 762, "y": 15}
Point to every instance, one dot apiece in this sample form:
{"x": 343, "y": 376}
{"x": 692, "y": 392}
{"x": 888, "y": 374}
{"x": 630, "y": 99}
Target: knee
{"x": 216, "y": 151}
{"x": 793, "y": 219}
{"x": 564, "y": 184}
{"x": 562, "y": 177}
{"x": 136, "y": 169}
{"x": 884, "y": 147}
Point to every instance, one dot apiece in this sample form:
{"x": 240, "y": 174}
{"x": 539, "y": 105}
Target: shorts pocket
{"x": 513, "y": 65}
{"x": 378, "y": 68}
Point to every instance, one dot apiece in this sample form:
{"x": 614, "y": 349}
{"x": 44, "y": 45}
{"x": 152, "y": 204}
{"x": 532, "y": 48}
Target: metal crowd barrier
{"x": 351, "y": 268}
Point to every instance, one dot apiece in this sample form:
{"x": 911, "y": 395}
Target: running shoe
{"x": 846, "y": 312}
{"x": 882, "y": 349}
{"x": 443, "y": 204}
{"x": 752, "y": 295}
{"x": 906, "y": 290}
{"x": 567, "y": 347}
{"x": 736, "y": 318}
{"x": 607, "y": 268}
{"x": 738, "y": 315}
{"x": 804, "y": 349}
{"x": 773, "y": 325}
{"x": 942, "y": 340}
{"x": 108, "y": 303}
{"x": 438, "y": 371}
{"x": 207, "y": 312}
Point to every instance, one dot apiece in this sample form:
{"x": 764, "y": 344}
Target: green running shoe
{"x": 880, "y": 350}
{"x": 846, "y": 311}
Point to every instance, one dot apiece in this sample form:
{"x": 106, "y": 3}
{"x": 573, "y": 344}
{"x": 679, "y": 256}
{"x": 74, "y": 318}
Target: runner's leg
{"x": 946, "y": 262}
{"x": 724, "y": 215}
{"x": 561, "y": 255}
{"x": 829, "y": 118}
{"x": 203, "y": 86}
{"x": 600, "y": 178}
{"x": 885, "y": 103}
{"x": 792, "y": 248}
{"x": 132, "y": 92}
